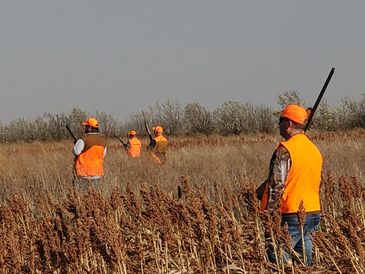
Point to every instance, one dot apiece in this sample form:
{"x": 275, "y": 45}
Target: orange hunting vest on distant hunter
{"x": 134, "y": 150}
{"x": 304, "y": 177}
{"x": 159, "y": 151}
{"x": 90, "y": 162}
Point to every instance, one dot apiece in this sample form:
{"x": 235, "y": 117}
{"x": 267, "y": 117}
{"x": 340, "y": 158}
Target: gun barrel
{"x": 319, "y": 98}
{"x": 146, "y": 126}
{"x": 120, "y": 140}
{"x": 69, "y": 130}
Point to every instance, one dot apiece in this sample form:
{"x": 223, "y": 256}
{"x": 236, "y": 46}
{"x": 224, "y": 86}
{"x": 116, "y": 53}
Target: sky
{"x": 120, "y": 56}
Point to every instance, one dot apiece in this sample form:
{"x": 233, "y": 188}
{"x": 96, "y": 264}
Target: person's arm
{"x": 279, "y": 170}
{"x": 78, "y": 147}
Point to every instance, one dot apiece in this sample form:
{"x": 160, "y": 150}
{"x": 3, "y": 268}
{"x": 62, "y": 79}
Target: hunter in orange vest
{"x": 89, "y": 152}
{"x": 158, "y": 146}
{"x": 133, "y": 146}
{"x": 294, "y": 181}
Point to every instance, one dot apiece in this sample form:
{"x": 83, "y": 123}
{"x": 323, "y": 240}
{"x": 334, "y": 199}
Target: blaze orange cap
{"x": 132, "y": 132}
{"x": 91, "y": 122}
{"x": 295, "y": 113}
{"x": 157, "y": 129}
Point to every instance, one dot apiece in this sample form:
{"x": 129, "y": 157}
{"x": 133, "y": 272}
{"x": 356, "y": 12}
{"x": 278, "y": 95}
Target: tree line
{"x": 230, "y": 118}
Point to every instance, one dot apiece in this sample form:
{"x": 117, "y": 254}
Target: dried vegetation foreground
{"x": 135, "y": 222}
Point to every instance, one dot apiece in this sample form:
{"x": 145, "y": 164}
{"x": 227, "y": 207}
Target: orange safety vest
{"x": 134, "y": 149}
{"x": 264, "y": 199}
{"x": 304, "y": 178}
{"x": 159, "y": 151}
{"x": 90, "y": 161}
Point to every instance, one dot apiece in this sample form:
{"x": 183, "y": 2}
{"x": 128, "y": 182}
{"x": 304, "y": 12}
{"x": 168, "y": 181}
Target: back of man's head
{"x": 297, "y": 114}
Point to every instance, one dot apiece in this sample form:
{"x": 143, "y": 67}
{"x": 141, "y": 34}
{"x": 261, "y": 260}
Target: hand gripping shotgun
{"x": 262, "y": 189}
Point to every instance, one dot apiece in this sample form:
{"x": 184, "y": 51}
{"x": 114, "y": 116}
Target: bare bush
{"x": 351, "y": 113}
{"x": 230, "y": 118}
{"x": 326, "y": 117}
{"x": 108, "y": 125}
{"x": 197, "y": 119}
{"x": 75, "y": 117}
{"x": 170, "y": 115}
{"x": 135, "y": 122}
{"x": 20, "y": 129}
{"x": 265, "y": 119}
{"x": 290, "y": 97}
{"x": 52, "y": 126}
{"x": 236, "y": 118}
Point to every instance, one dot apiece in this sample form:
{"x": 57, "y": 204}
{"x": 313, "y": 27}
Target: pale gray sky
{"x": 123, "y": 56}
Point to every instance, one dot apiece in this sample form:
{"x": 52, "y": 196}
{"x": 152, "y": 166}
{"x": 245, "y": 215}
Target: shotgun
{"x": 313, "y": 110}
{"x": 145, "y": 124}
{"x": 152, "y": 142}
{"x": 261, "y": 189}
{"x": 120, "y": 140}
{"x": 73, "y": 136}
{"x": 147, "y": 128}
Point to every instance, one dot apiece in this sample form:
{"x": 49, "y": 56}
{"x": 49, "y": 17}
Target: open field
{"x": 135, "y": 223}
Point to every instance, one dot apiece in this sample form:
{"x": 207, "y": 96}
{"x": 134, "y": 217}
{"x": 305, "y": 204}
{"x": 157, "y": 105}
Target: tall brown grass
{"x": 136, "y": 223}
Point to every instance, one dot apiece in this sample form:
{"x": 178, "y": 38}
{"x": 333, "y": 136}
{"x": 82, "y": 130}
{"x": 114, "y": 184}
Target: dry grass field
{"x": 135, "y": 223}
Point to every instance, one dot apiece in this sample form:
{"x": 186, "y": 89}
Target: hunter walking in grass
{"x": 294, "y": 182}
{"x": 133, "y": 146}
{"x": 89, "y": 151}
{"x": 158, "y": 145}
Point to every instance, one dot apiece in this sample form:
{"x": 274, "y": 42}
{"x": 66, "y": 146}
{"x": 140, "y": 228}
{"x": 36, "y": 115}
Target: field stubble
{"x": 135, "y": 223}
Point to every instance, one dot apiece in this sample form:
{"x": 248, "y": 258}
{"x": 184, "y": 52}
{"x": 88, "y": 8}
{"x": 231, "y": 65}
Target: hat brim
{"x": 88, "y": 124}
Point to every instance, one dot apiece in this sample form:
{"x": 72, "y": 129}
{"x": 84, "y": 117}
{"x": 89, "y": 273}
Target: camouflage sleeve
{"x": 279, "y": 170}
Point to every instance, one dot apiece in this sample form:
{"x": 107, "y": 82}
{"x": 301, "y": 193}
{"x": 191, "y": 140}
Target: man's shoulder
{"x": 95, "y": 137}
{"x": 135, "y": 140}
{"x": 161, "y": 138}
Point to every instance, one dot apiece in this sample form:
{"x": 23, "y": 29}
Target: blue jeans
{"x": 311, "y": 224}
